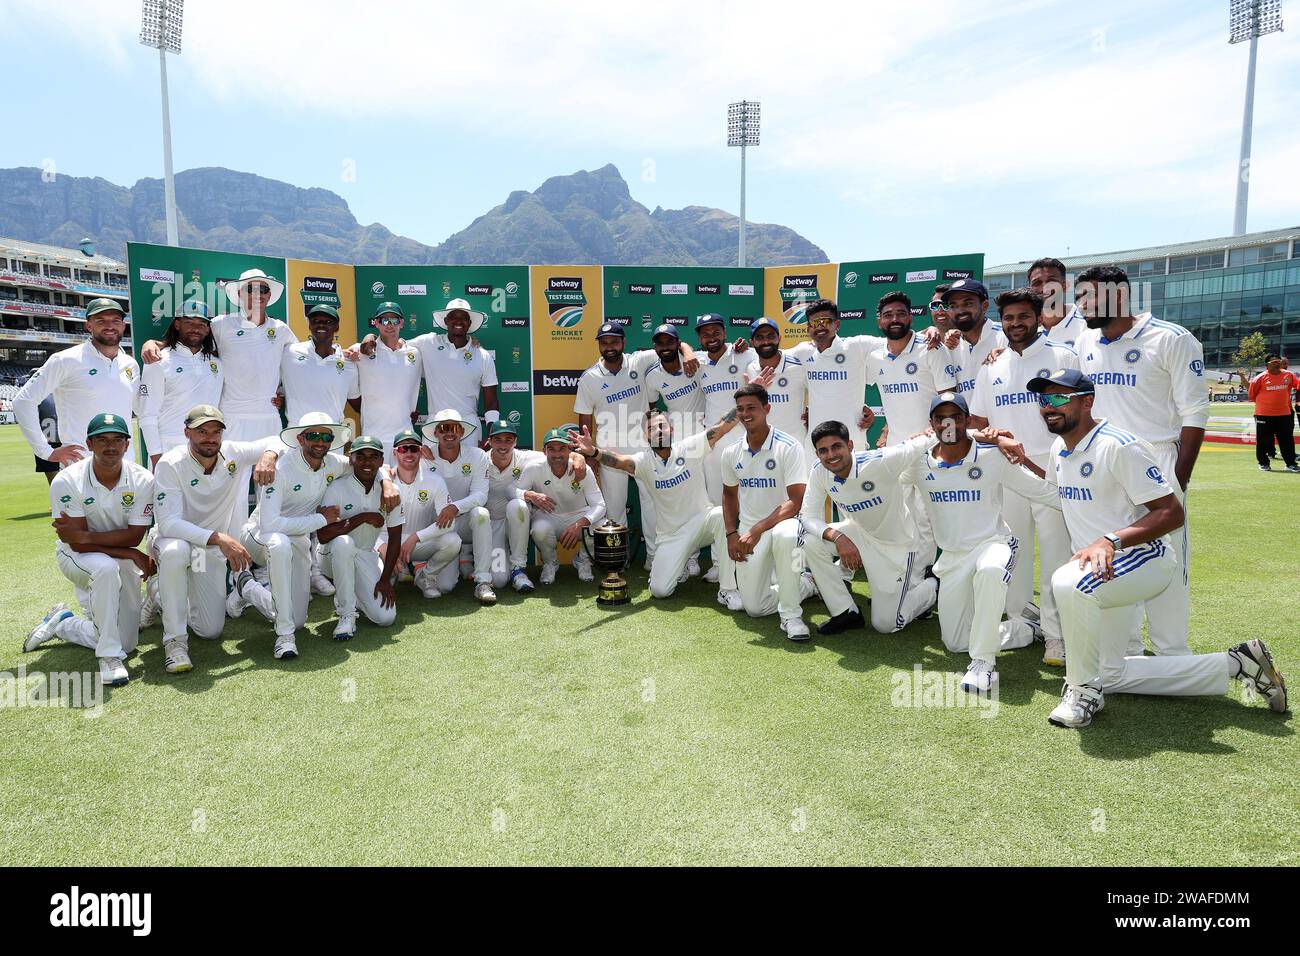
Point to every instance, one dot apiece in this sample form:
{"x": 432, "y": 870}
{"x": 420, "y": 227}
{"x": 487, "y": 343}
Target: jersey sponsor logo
{"x": 65, "y": 498}
{"x": 1197, "y": 367}
{"x": 664, "y": 483}
{"x": 148, "y": 510}
{"x": 895, "y": 388}
{"x": 618, "y": 396}
{"x": 1015, "y": 398}
{"x": 297, "y": 487}
{"x": 1154, "y": 474}
{"x": 193, "y": 482}
{"x": 860, "y": 505}
{"x": 1114, "y": 378}
{"x": 89, "y": 501}
{"x": 828, "y": 376}
{"x": 1073, "y": 493}
{"x": 160, "y": 496}
{"x": 956, "y": 496}
{"x": 758, "y": 482}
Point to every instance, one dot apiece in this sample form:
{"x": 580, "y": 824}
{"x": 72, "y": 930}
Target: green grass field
{"x": 545, "y": 730}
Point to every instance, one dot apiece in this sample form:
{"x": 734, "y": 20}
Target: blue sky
{"x": 1016, "y": 128}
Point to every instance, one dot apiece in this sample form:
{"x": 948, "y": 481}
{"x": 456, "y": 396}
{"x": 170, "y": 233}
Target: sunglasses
{"x": 407, "y": 449}
{"x": 937, "y": 307}
{"x": 1060, "y": 399}
{"x": 448, "y": 428}
{"x": 391, "y": 320}
{"x": 817, "y": 322}
{"x": 318, "y": 436}
{"x": 259, "y": 290}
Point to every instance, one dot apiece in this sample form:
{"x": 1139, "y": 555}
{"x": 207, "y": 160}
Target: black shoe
{"x": 849, "y": 620}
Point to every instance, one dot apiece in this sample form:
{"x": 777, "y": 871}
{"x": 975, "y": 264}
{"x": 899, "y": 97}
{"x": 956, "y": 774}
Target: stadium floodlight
{"x": 1248, "y": 20}
{"x": 742, "y": 131}
{"x": 160, "y": 28}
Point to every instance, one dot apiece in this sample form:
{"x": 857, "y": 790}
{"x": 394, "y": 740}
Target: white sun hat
{"x": 342, "y": 430}
{"x": 446, "y": 415}
{"x": 232, "y": 287}
{"x": 476, "y": 319}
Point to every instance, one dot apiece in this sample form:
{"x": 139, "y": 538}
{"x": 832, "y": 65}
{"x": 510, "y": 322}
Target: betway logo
{"x": 640, "y": 288}
{"x": 75, "y": 909}
{"x": 799, "y": 282}
{"x": 573, "y": 284}
{"x": 853, "y": 313}
{"x": 478, "y": 289}
{"x": 318, "y": 284}
{"x": 878, "y": 278}
{"x": 558, "y": 382}
{"x": 958, "y": 274}
{"x": 708, "y": 290}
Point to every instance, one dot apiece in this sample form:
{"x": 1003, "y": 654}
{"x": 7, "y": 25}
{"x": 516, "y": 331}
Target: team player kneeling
{"x": 774, "y": 545}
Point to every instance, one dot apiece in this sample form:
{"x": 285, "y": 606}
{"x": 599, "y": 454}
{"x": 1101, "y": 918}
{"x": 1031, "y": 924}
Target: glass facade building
{"x": 1219, "y": 289}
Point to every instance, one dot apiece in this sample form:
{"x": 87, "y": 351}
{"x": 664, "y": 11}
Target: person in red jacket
{"x": 1271, "y": 390}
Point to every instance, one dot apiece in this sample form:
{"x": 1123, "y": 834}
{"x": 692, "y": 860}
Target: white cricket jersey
{"x": 423, "y": 499}
{"x": 250, "y": 358}
{"x": 719, "y": 381}
{"x": 454, "y": 377}
{"x": 616, "y": 401}
{"x": 870, "y": 496}
{"x": 1001, "y": 397}
{"x": 84, "y": 383}
{"x": 390, "y": 388}
{"x": 169, "y": 388}
{"x": 763, "y": 476}
{"x": 787, "y": 396}
{"x": 837, "y": 378}
{"x": 1150, "y": 381}
{"x": 466, "y": 476}
{"x": 352, "y": 499}
{"x": 964, "y": 499}
{"x": 571, "y": 496}
{"x": 1104, "y": 483}
{"x": 502, "y": 482}
{"x": 191, "y": 503}
{"x": 970, "y": 358}
{"x": 76, "y": 492}
{"x": 313, "y": 383}
{"x": 908, "y": 382}
{"x": 680, "y": 394}
{"x": 676, "y": 483}
{"x": 288, "y": 506}
{"x": 1067, "y": 331}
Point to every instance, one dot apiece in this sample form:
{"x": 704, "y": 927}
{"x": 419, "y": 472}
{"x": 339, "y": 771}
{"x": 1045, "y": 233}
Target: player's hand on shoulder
{"x": 151, "y": 352}
{"x": 67, "y": 454}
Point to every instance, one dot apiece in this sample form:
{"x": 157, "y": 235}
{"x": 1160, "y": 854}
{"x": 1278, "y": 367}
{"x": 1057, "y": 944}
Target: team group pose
{"x": 1069, "y": 431}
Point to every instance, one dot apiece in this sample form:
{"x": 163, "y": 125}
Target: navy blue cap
{"x": 611, "y": 328}
{"x": 966, "y": 285}
{"x": 1070, "y": 378}
{"x": 709, "y": 318}
{"x": 949, "y": 398}
{"x": 763, "y": 322}
{"x": 665, "y": 329}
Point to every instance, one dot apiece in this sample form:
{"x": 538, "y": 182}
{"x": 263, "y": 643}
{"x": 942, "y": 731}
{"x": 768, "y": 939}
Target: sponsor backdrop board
{"x": 788, "y": 289}
{"x": 567, "y": 307}
{"x": 500, "y": 292}
{"x": 643, "y": 297}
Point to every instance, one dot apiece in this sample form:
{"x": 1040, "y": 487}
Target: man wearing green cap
{"x": 390, "y": 378}
{"x": 424, "y": 500}
{"x": 102, "y": 507}
{"x": 362, "y": 579}
{"x": 188, "y": 374}
{"x": 562, "y": 504}
{"x": 315, "y": 375}
{"x": 510, "y": 515}
{"x": 96, "y": 376}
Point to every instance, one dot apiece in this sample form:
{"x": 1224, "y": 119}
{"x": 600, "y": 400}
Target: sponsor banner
{"x": 321, "y": 283}
{"x": 567, "y": 307}
{"x": 643, "y": 297}
{"x": 789, "y": 290}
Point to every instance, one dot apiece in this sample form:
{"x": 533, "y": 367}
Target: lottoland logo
{"x": 414, "y": 289}
{"x": 673, "y": 288}
{"x": 75, "y": 909}
{"x": 556, "y": 382}
{"x": 740, "y": 290}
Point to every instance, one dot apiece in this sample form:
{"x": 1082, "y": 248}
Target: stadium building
{"x": 1219, "y": 289}
{"x": 43, "y": 295}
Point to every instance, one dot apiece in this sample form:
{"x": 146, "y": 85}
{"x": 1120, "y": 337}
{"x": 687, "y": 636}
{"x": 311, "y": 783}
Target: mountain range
{"x": 586, "y": 217}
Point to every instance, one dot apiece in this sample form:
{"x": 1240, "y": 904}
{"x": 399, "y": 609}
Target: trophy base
{"x": 613, "y": 590}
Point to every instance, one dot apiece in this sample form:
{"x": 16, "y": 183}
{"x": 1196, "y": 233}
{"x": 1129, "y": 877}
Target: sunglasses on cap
{"x": 389, "y": 320}
{"x": 936, "y": 306}
{"x": 318, "y": 436}
{"x": 1059, "y": 399}
{"x": 407, "y": 449}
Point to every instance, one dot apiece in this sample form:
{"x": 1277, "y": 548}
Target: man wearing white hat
{"x": 188, "y": 374}
{"x": 464, "y": 468}
{"x": 250, "y": 344}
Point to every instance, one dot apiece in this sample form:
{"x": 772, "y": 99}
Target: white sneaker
{"x": 1054, "y": 652}
{"x": 1032, "y": 613}
{"x": 43, "y": 632}
{"x": 981, "y": 678}
{"x": 693, "y": 566}
{"x": 548, "y": 573}
{"x": 286, "y": 647}
{"x": 321, "y": 584}
{"x": 519, "y": 581}
{"x": 1077, "y": 707}
{"x": 684, "y": 576}
{"x": 711, "y": 576}
{"x": 177, "y": 655}
{"x": 484, "y": 594}
{"x": 112, "y": 672}
{"x": 427, "y": 583}
{"x": 795, "y": 629}
{"x": 1259, "y": 672}
{"x": 346, "y": 628}
{"x": 731, "y": 600}
{"x": 148, "y": 609}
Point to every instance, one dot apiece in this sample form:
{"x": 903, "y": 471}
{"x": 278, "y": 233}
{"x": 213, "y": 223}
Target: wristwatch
{"x": 1113, "y": 539}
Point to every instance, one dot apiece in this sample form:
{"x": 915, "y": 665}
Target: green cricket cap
{"x": 202, "y": 414}
{"x": 106, "y": 423}
{"x": 387, "y": 308}
{"x": 322, "y": 308}
{"x": 366, "y": 441}
{"x": 557, "y": 434}
{"x": 502, "y": 427}
{"x": 96, "y": 306}
{"x": 405, "y": 436}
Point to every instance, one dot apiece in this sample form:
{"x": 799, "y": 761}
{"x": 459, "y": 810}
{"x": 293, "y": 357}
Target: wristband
{"x": 730, "y": 533}
{"x": 1114, "y": 540}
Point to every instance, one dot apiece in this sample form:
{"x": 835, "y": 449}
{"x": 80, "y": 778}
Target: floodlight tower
{"x": 742, "y": 131}
{"x": 1249, "y": 20}
{"x": 160, "y": 28}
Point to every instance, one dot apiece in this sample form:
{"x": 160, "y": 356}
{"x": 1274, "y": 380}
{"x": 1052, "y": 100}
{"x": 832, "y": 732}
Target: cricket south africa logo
{"x": 565, "y": 301}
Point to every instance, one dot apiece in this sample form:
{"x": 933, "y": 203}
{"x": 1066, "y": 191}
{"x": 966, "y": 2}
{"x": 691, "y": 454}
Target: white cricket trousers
{"x": 355, "y": 571}
{"x": 775, "y": 552}
{"x": 245, "y": 427}
{"x": 287, "y": 559}
{"x": 613, "y": 486}
{"x": 191, "y": 589}
{"x": 1024, "y": 518}
{"x": 972, "y": 595}
{"x": 509, "y": 541}
{"x": 897, "y": 598}
{"x": 1169, "y": 612}
{"x": 546, "y": 530}
{"x": 1095, "y": 647}
{"x": 437, "y": 553}
{"x": 475, "y": 530}
{"x": 108, "y": 589}
{"x": 677, "y": 546}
